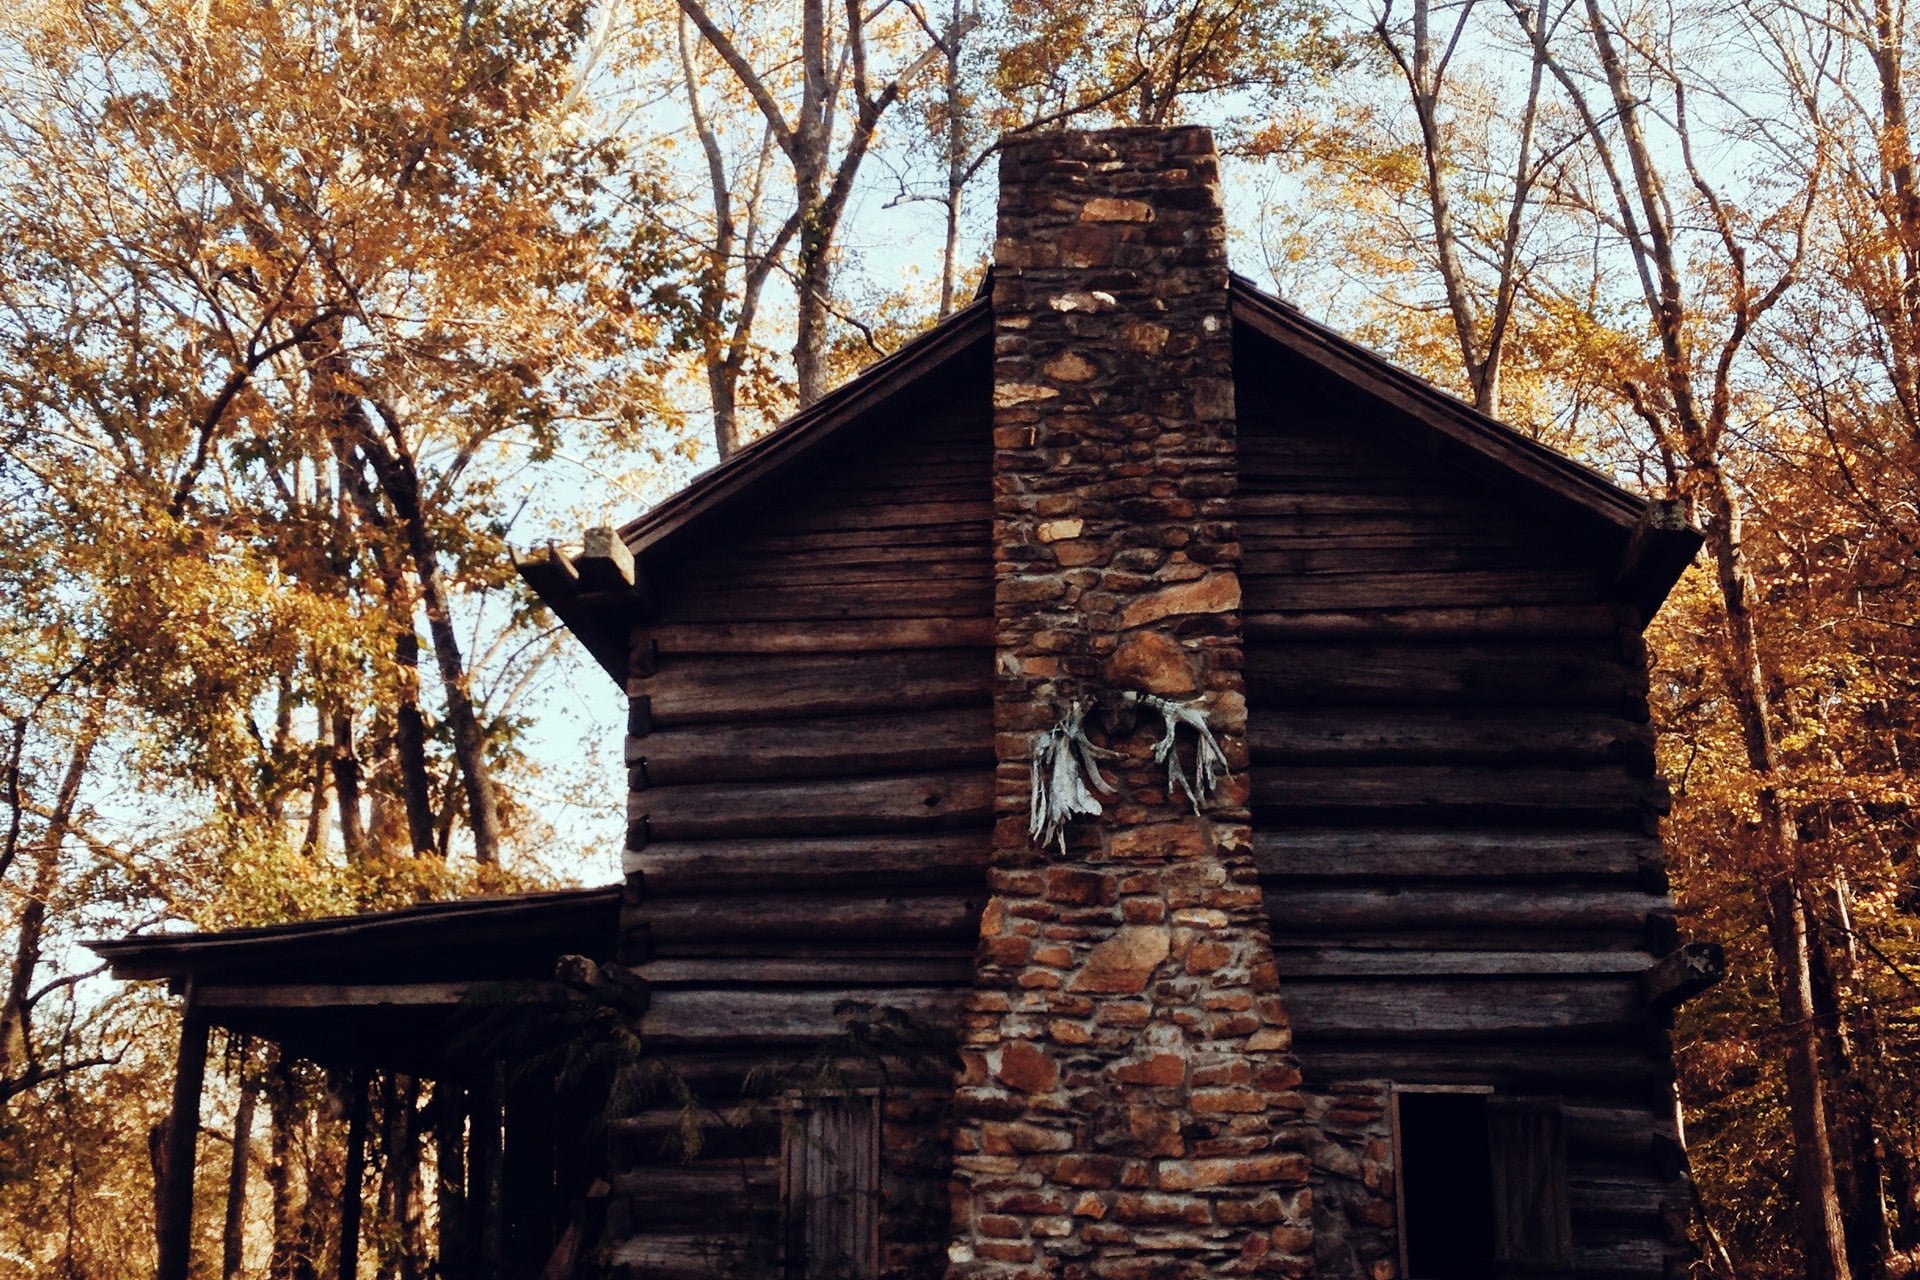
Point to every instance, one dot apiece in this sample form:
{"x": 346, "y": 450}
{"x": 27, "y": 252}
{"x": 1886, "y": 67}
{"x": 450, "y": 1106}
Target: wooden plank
{"x": 1274, "y": 560}
{"x": 841, "y": 746}
{"x": 1431, "y": 737}
{"x": 699, "y": 1255}
{"x": 1630, "y": 1133}
{"x": 1463, "y": 1009}
{"x": 1619, "y": 1254}
{"x": 832, "y": 862}
{"x": 336, "y": 995}
{"x": 1268, "y": 593}
{"x": 733, "y": 687}
{"x": 826, "y": 518}
{"x": 971, "y": 572}
{"x": 826, "y": 559}
{"x": 935, "y": 968}
{"x": 1593, "y": 622}
{"x": 1431, "y": 527}
{"x": 961, "y": 533}
{"x": 1359, "y": 964}
{"x": 1384, "y": 910}
{"x": 923, "y": 598}
{"x": 1537, "y": 1066}
{"x": 1520, "y": 855}
{"x": 1621, "y": 1199}
{"x": 1451, "y": 673}
{"x": 705, "y": 1017}
{"x": 1585, "y": 796}
{"x": 703, "y": 1193}
{"x": 872, "y": 922}
{"x": 864, "y": 636}
{"x": 909, "y": 802}
{"x": 1252, "y": 506}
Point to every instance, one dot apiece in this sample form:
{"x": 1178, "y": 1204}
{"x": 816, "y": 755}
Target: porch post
{"x": 183, "y": 1131}
{"x": 353, "y": 1175}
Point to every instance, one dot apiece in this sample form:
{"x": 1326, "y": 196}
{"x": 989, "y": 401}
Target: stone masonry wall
{"x": 1128, "y": 1105}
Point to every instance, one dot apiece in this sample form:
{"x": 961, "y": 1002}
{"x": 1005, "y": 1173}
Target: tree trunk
{"x": 956, "y": 158}
{"x": 400, "y": 482}
{"x": 1822, "y": 1232}
{"x": 281, "y": 1110}
{"x": 313, "y": 841}
{"x": 17, "y": 1054}
{"x": 410, "y": 746}
{"x": 346, "y": 786}
{"x": 813, "y": 272}
{"x": 1859, "y": 1176}
{"x": 400, "y": 1258}
{"x": 450, "y": 1161}
{"x": 233, "y": 1232}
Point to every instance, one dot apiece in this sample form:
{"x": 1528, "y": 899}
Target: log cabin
{"x": 1386, "y": 996}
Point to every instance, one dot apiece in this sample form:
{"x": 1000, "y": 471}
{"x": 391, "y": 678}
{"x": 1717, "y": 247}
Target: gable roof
{"x": 1648, "y": 542}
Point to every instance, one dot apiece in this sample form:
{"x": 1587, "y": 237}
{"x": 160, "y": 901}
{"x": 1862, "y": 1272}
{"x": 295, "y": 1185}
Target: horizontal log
{"x": 1269, "y": 593}
{"x": 1359, "y": 964}
{"x": 856, "y": 561}
{"x": 926, "y": 597}
{"x": 1434, "y": 527}
{"x": 839, "y": 747}
{"x": 699, "y": 1255}
{"x": 871, "y": 922}
{"x": 1496, "y": 855}
{"x": 795, "y": 574}
{"x": 708, "y": 1193}
{"x": 961, "y": 533}
{"x": 1621, "y": 1199}
{"x": 939, "y": 487}
{"x": 1253, "y": 506}
{"x": 733, "y": 687}
{"x": 753, "y": 1019}
{"x": 1268, "y": 559}
{"x": 865, "y": 636}
{"x": 830, "y": 517}
{"x": 935, "y": 968}
{"x": 723, "y": 1130}
{"x": 1585, "y": 796}
{"x": 1619, "y": 1134}
{"x": 1544, "y": 1067}
{"x": 1592, "y": 622}
{"x": 1294, "y": 911}
{"x": 1353, "y": 735}
{"x": 1608, "y": 1255}
{"x": 1281, "y": 677}
{"x": 908, "y": 802}
{"x": 835, "y": 862}
{"x": 1462, "y": 1009}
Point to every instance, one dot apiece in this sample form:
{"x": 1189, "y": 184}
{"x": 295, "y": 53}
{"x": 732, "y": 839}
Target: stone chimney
{"x": 1128, "y": 1105}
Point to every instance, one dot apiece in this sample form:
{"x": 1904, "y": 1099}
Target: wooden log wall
{"x": 1454, "y": 797}
{"x": 811, "y": 768}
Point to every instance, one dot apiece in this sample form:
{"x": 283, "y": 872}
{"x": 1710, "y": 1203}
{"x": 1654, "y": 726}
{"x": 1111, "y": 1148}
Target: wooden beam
{"x": 340, "y": 995}
{"x": 549, "y": 572}
{"x": 353, "y": 1175}
{"x": 1683, "y": 974}
{"x": 183, "y": 1132}
{"x": 604, "y": 562}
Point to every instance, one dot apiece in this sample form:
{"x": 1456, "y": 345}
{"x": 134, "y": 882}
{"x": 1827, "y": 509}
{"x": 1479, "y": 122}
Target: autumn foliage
{"x": 300, "y": 301}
